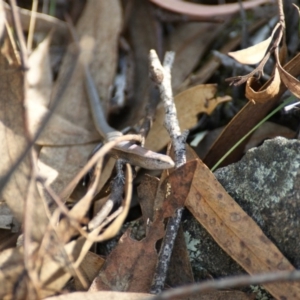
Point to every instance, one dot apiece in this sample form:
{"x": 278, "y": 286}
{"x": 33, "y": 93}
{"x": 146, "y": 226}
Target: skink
{"x": 132, "y": 153}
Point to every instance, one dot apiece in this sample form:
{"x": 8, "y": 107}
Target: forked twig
{"x": 161, "y": 75}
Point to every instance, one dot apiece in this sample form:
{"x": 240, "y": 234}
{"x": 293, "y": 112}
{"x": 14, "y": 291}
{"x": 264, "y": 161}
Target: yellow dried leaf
{"x": 188, "y": 104}
{"x": 252, "y": 55}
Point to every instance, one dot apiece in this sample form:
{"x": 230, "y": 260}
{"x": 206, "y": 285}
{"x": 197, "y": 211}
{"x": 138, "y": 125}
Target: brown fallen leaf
{"x": 269, "y": 130}
{"x": 131, "y": 264}
{"x": 242, "y": 123}
{"x": 146, "y": 196}
{"x": 180, "y": 269}
{"x": 199, "y": 99}
{"x": 288, "y": 79}
{"x": 89, "y": 267}
{"x": 269, "y": 90}
{"x": 235, "y": 232}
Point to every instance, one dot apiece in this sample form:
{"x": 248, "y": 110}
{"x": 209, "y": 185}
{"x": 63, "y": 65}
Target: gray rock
{"x": 266, "y": 184}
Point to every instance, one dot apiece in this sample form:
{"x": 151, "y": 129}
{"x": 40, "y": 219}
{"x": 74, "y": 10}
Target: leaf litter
{"x": 53, "y": 246}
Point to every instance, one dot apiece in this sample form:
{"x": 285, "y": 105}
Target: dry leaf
{"x": 245, "y": 120}
{"x": 130, "y": 266}
{"x": 212, "y": 64}
{"x": 12, "y": 274}
{"x": 236, "y": 232}
{"x": 188, "y": 104}
{"x": 38, "y": 99}
{"x": 269, "y": 91}
{"x": 56, "y": 268}
{"x": 90, "y": 267}
{"x": 13, "y": 135}
{"x": 58, "y": 165}
{"x": 252, "y": 55}
{"x": 289, "y": 80}
{"x": 268, "y": 130}
{"x": 146, "y": 196}
{"x": 180, "y": 269}
{"x": 18, "y": 191}
{"x": 39, "y": 77}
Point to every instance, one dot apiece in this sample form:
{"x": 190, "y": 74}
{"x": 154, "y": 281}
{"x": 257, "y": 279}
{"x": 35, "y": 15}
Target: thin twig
{"x": 161, "y": 75}
{"x": 93, "y": 160}
{"x": 32, "y": 25}
{"x": 226, "y": 283}
{"x": 20, "y": 35}
{"x": 117, "y": 187}
{"x": 229, "y": 62}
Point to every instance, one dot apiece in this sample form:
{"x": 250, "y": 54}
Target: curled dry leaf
{"x": 199, "y": 99}
{"x": 289, "y": 80}
{"x": 204, "y": 11}
{"x": 246, "y": 119}
{"x": 235, "y": 232}
{"x": 270, "y": 90}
